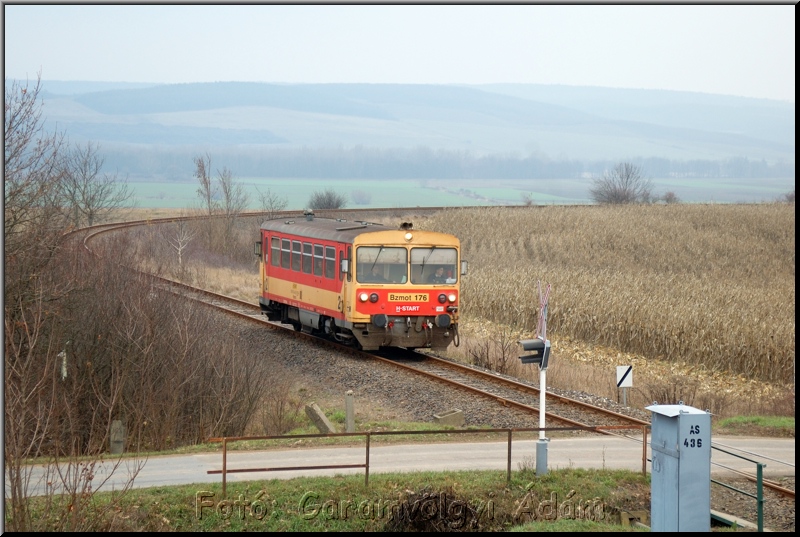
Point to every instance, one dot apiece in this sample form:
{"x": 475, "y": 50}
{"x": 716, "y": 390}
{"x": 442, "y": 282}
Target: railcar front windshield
{"x": 434, "y": 266}
{"x": 381, "y": 264}
{"x": 384, "y": 264}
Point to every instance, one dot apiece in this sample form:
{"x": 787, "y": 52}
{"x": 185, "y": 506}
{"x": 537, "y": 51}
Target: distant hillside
{"x": 755, "y": 118}
{"x": 67, "y": 87}
{"x": 534, "y": 122}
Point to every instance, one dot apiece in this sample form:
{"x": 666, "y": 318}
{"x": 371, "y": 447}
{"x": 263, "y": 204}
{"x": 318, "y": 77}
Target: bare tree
{"x": 87, "y": 191}
{"x": 206, "y": 191}
{"x": 178, "y": 236}
{"x": 32, "y": 232}
{"x": 31, "y": 175}
{"x": 223, "y": 197}
{"x": 234, "y": 202}
{"x": 234, "y": 199}
{"x": 327, "y": 199}
{"x": 622, "y": 184}
{"x": 271, "y": 204}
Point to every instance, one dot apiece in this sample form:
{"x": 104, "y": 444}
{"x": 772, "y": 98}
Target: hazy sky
{"x": 745, "y": 50}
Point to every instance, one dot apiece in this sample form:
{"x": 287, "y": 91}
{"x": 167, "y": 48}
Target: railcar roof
{"x": 323, "y": 228}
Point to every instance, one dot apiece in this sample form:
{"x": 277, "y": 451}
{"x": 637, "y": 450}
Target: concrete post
{"x": 117, "y": 437}
{"x": 317, "y": 416}
{"x": 350, "y": 417}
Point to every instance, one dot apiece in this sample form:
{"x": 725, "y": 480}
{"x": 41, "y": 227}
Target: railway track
{"x": 492, "y": 388}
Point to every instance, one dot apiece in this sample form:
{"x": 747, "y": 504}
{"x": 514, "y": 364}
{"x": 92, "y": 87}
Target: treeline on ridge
{"x": 417, "y": 163}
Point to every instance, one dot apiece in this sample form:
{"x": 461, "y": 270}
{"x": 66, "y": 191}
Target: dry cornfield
{"x": 711, "y": 286}
{"x": 698, "y": 299}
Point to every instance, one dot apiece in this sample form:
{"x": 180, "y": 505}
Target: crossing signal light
{"x": 539, "y": 352}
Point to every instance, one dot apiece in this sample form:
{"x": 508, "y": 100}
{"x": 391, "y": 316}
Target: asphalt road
{"x": 586, "y": 452}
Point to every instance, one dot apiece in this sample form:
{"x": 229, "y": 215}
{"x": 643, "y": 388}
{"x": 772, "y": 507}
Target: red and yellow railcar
{"x": 361, "y": 283}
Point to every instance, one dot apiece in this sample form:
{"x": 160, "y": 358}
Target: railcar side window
{"x": 286, "y": 253}
{"x": 330, "y": 262}
{"x": 426, "y": 261}
{"x": 307, "y": 261}
{"x": 318, "y": 259}
{"x": 297, "y": 255}
{"x": 276, "y": 251}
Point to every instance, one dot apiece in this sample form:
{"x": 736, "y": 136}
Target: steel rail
{"x": 97, "y": 230}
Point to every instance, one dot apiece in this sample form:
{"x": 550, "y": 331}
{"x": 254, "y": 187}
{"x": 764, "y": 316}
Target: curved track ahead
{"x": 493, "y": 388}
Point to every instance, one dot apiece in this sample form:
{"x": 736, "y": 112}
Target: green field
{"x": 366, "y": 193}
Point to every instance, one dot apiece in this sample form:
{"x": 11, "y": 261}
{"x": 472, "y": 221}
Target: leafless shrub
{"x": 50, "y": 412}
{"x": 280, "y": 409}
{"x": 40, "y": 411}
{"x": 115, "y": 348}
{"x": 625, "y": 183}
{"x": 781, "y": 403}
{"x": 497, "y": 353}
{"x": 480, "y": 353}
{"x": 361, "y": 197}
{"x": 670, "y": 197}
{"x": 326, "y": 199}
{"x": 672, "y": 391}
{"x": 69, "y": 485}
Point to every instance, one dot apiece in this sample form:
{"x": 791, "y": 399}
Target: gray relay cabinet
{"x": 680, "y": 483}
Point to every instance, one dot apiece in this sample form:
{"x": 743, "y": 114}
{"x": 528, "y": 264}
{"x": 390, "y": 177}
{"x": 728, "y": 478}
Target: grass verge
{"x": 562, "y": 500}
{"x": 772, "y": 426}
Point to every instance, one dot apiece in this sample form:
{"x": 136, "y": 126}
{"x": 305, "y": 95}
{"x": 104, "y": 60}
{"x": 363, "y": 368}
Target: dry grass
{"x": 711, "y": 286}
{"x": 239, "y": 283}
{"x": 587, "y": 367}
{"x": 698, "y": 298}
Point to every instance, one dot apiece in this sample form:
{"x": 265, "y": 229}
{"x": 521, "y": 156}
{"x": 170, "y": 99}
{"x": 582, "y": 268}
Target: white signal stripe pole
{"x": 542, "y": 329}
{"x": 541, "y": 446}
{"x": 542, "y": 385}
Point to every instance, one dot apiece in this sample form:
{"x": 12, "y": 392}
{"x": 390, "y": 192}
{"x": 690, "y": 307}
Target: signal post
{"x": 539, "y": 349}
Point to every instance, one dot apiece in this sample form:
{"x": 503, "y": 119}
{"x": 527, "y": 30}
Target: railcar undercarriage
{"x": 410, "y": 332}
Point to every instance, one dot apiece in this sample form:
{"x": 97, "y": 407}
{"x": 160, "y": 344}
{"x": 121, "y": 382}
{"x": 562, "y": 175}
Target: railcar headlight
{"x": 373, "y": 297}
{"x": 452, "y": 297}
{"x": 442, "y": 298}
{"x": 363, "y": 297}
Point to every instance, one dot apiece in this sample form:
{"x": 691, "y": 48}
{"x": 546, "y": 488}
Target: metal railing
{"x": 369, "y": 435}
{"x": 759, "y": 495}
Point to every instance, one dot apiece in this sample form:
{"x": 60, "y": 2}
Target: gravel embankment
{"x": 385, "y": 393}
{"x": 323, "y": 376}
